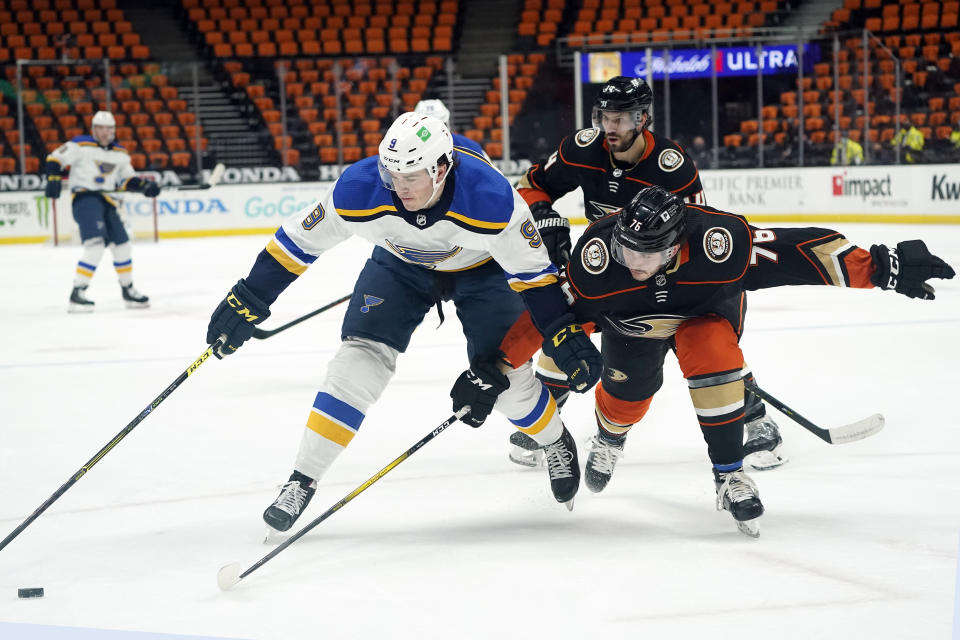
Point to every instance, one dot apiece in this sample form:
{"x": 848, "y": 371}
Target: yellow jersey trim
{"x": 362, "y": 213}
{"x": 472, "y": 154}
{"x": 535, "y": 284}
{"x": 480, "y": 224}
{"x": 288, "y": 263}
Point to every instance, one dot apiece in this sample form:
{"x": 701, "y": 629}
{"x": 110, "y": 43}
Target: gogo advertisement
{"x": 698, "y": 63}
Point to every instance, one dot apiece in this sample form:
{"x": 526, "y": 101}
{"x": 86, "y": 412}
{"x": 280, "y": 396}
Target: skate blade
{"x": 274, "y": 537}
{"x": 569, "y": 504}
{"x": 527, "y": 458}
{"x": 80, "y": 308}
{"x": 137, "y": 305}
{"x": 749, "y": 527}
{"x": 765, "y": 460}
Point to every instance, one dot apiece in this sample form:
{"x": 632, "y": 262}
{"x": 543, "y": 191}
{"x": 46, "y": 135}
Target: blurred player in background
{"x": 98, "y": 165}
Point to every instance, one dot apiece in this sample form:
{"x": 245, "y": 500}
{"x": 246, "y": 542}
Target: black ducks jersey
{"x": 584, "y": 160}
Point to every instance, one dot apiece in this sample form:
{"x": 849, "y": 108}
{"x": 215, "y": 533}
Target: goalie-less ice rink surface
{"x": 858, "y": 541}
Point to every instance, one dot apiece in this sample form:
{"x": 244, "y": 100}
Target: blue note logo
{"x": 370, "y": 301}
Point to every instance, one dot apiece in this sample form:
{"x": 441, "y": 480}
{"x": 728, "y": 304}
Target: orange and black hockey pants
{"x": 709, "y": 355}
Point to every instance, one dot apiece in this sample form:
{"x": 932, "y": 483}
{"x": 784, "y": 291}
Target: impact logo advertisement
{"x": 873, "y": 189}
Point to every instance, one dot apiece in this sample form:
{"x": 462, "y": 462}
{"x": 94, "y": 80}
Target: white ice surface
{"x": 858, "y": 541}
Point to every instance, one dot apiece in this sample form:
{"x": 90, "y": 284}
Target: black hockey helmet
{"x": 621, "y": 93}
{"x": 655, "y": 220}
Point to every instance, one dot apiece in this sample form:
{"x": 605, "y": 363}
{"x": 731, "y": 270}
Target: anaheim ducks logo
{"x": 605, "y": 209}
{"x": 595, "y": 256}
{"x": 585, "y": 136}
{"x": 717, "y": 244}
{"x": 670, "y": 160}
{"x": 615, "y": 375}
{"x": 651, "y": 326}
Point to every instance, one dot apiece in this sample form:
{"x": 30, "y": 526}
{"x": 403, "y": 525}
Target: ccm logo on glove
{"x": 241, "y": 309}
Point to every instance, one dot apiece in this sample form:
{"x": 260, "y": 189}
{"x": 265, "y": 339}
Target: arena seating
{"x": 925, "y": 41}
{"x": 392, "y": 53}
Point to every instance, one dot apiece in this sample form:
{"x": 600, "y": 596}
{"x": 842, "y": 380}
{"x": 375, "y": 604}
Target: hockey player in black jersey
{"x": 611, "y": 163}
{"x": 664, "y": 275}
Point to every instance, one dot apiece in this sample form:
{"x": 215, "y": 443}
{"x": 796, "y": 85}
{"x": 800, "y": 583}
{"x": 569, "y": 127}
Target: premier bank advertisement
{"x": 916, "y": 194}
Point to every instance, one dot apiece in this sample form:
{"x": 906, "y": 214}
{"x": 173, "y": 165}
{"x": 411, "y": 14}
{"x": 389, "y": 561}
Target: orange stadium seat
{"x": 180, "y": 159}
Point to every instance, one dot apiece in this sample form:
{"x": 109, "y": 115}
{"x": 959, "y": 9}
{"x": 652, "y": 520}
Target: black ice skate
{"x": 737, "y": 493}
{"x": 564, "y": 468}
{"x": 762, "y": 450}
{"x": 525, "y": 450}
{"x": 603, "y": 457}
{"x": 133, "y": 298}
{"x": 293, "y": 499}
{"x": 79, "y": 303}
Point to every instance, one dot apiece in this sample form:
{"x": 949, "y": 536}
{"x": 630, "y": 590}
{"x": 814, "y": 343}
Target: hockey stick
{"x": 212, "y": 181}
{"x": 230, "y": 575}
{"x": 56, "y": 233}
{"x": 261, "y": 334}
{"x": 837, "y": 435}
{"x": 110, "y": 445}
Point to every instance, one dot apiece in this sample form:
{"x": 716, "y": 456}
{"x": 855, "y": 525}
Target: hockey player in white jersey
{"x": 98, "y": 165}
{"x": 447, "y": 226}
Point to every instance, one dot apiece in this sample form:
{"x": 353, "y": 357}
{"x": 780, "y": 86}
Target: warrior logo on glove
{"x": 906, "y": 268}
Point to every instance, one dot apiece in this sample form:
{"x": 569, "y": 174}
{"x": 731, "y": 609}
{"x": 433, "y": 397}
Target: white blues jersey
{"x": 479, "y": 217}
{"x": 92, "y": 167}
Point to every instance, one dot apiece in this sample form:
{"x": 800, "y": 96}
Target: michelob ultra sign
{"x": 698, "y": 63}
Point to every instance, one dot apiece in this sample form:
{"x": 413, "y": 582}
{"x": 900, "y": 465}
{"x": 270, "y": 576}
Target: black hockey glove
{"x": 574, "y": 353}
{"x": 235, "y": 317}
{"x": 151, "y": 189}
{"x": 554, "y": 229}
{"x": 479, "y": 386}
{"x": 54, "y": 184}
{"x": 906, "y": 268}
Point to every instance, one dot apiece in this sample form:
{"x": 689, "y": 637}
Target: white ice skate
{"x": 738, "y": 494}
{"x": 763, "y": 448}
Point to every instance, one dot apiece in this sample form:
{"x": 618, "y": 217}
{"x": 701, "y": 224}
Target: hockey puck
{"x": 35, "y": 592}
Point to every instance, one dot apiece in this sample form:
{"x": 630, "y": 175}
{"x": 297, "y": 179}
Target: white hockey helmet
{"x": 415, "y": 142}
{"x": 434, "y": 108}
{"x": 103, "y": 119}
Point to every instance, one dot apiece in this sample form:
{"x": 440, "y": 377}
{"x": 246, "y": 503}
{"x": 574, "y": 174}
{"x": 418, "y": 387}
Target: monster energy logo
{"x": 423, "y": 134}
{"x": 43, "y": 210}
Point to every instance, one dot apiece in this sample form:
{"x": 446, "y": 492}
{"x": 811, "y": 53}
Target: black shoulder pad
{"x": 584, "y": 147}
{"x": 722, "y": 239}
